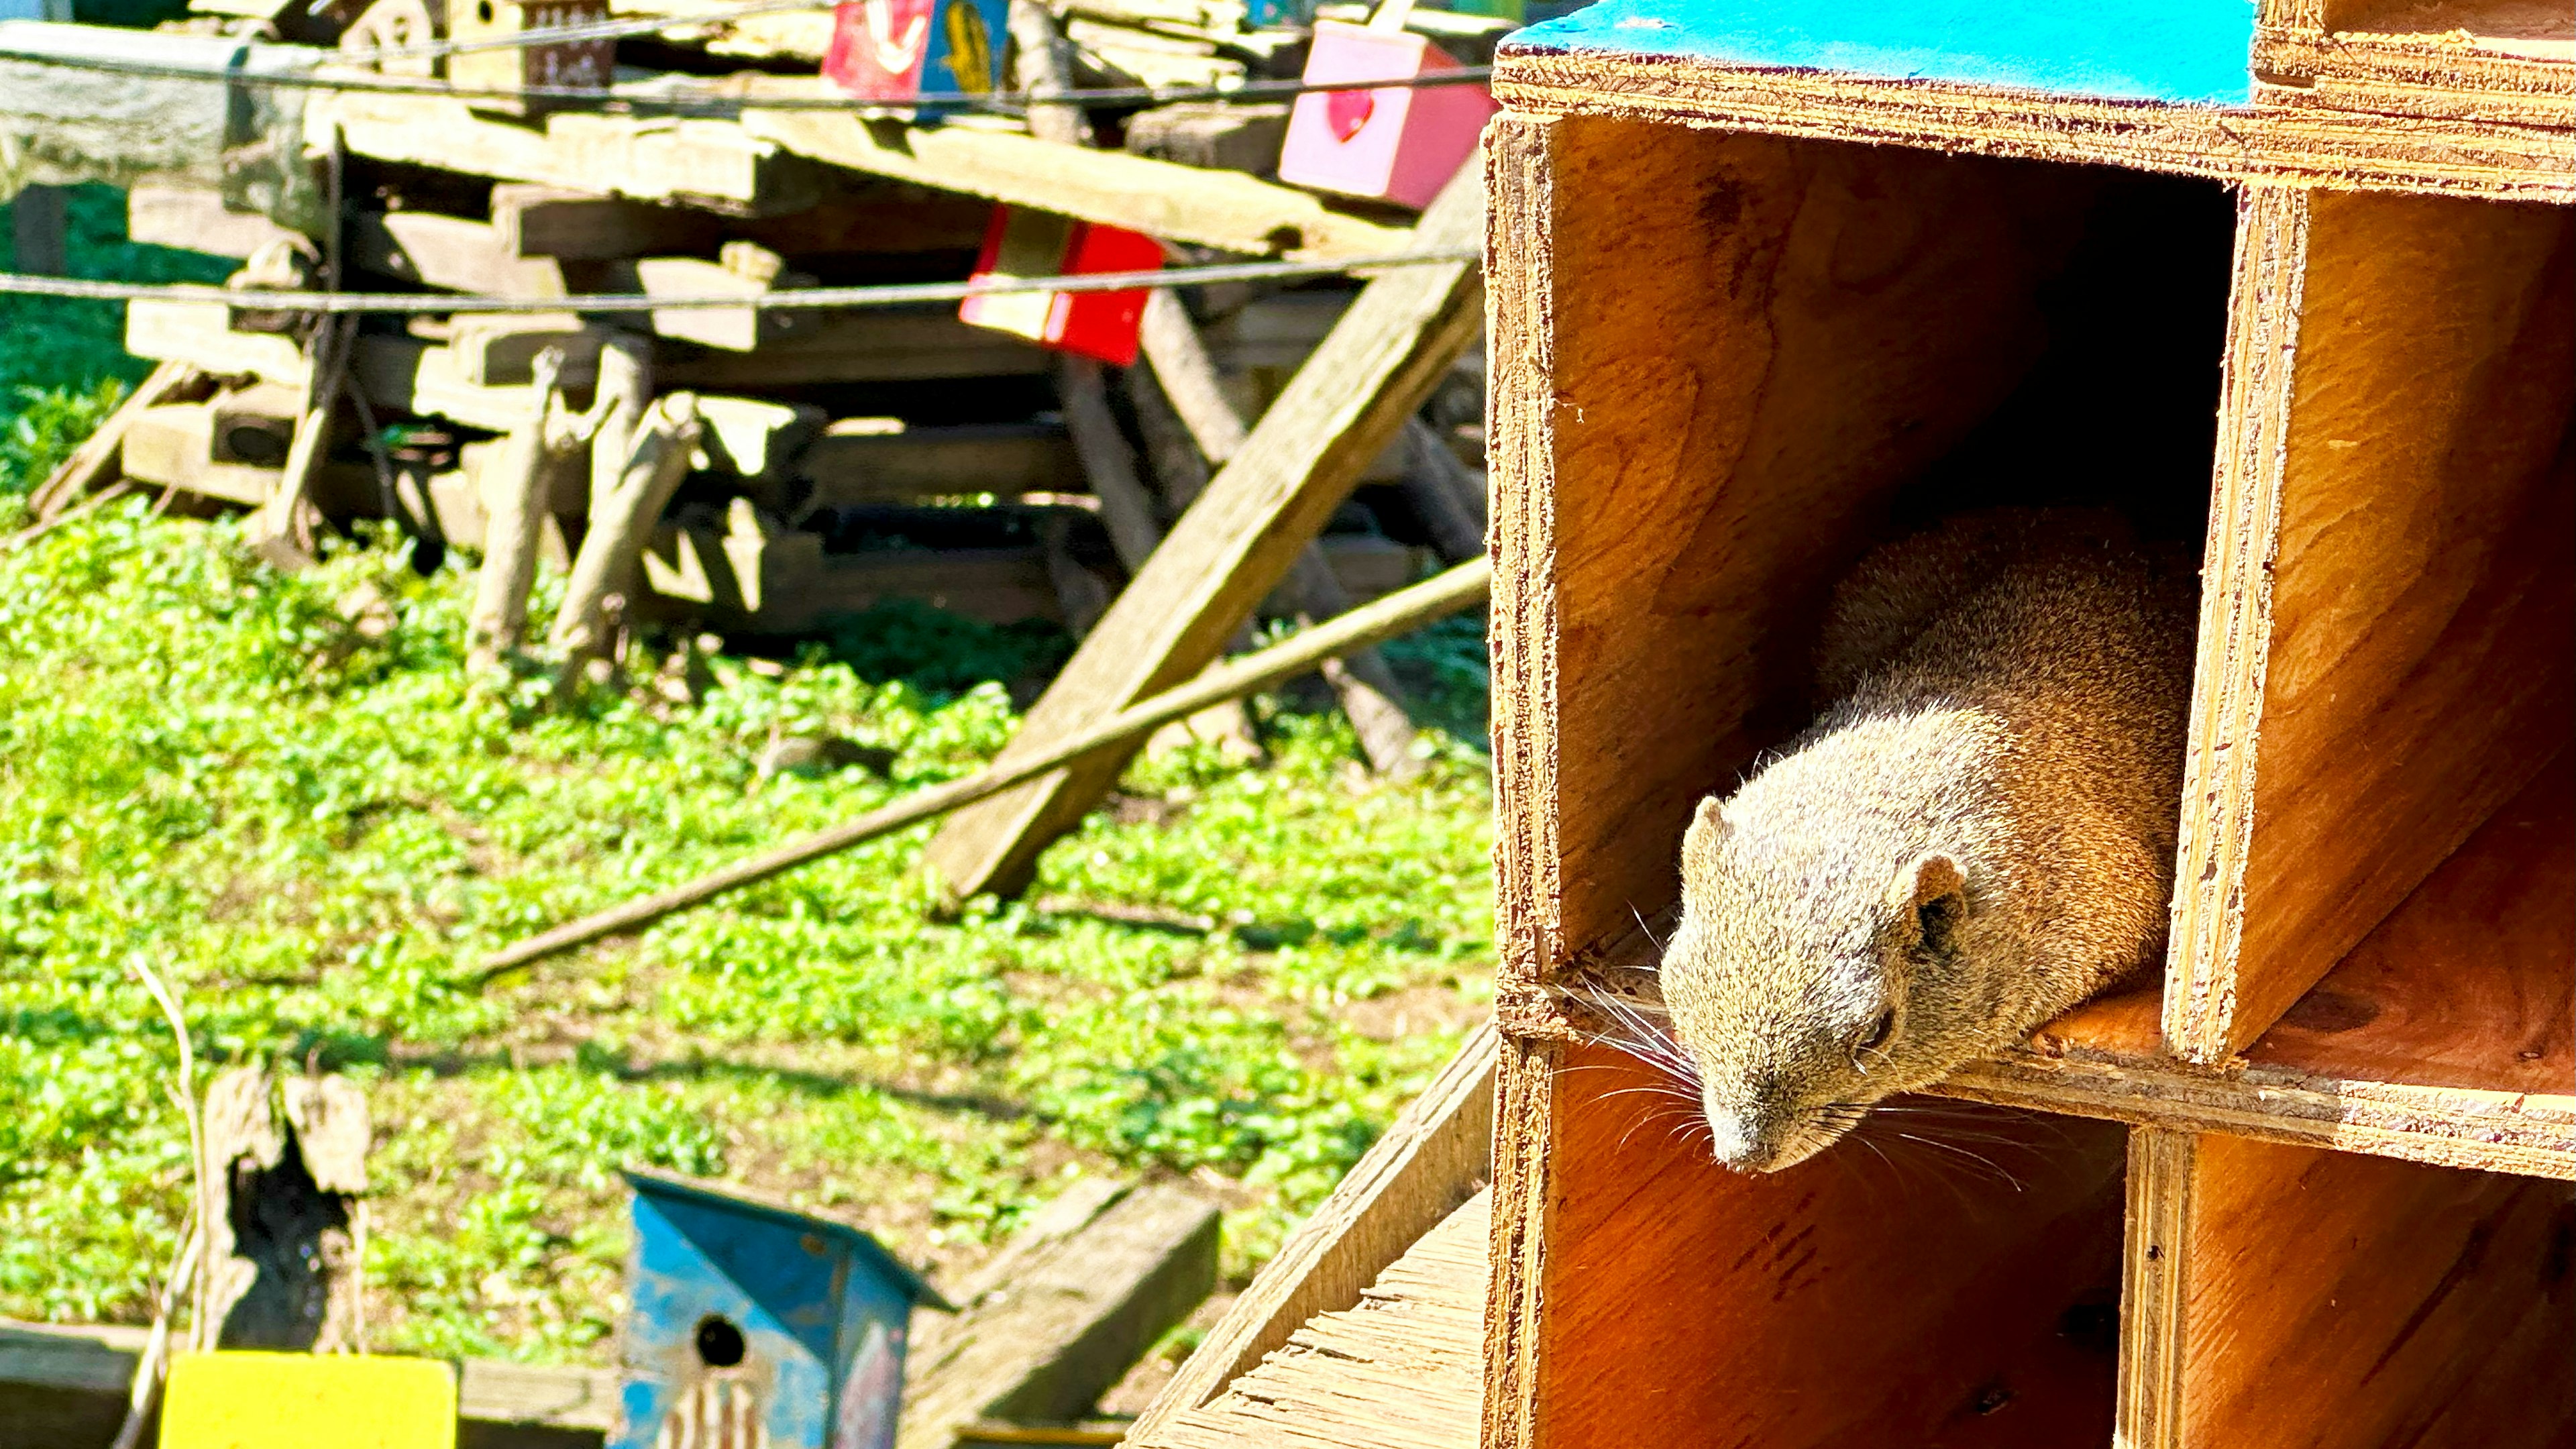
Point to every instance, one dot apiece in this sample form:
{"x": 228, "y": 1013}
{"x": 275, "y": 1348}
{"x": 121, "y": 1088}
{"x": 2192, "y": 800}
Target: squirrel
{"x": 1976, "y": 834}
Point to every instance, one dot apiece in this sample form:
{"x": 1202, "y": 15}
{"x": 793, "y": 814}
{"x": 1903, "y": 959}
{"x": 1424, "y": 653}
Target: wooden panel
{"x": 2472, "y": 981}
{"x": 2330, "y": 1301}
{"x": 1951, "y": 1291}
{"x": 2391, "y": 615}
{"x": 1720, "y": 358}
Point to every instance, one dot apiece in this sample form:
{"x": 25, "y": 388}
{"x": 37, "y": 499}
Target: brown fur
{"x": 1977, "y": 834}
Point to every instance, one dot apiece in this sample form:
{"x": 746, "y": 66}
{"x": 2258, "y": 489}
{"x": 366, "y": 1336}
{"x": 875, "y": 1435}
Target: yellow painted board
{"x": 307, "y": 1401}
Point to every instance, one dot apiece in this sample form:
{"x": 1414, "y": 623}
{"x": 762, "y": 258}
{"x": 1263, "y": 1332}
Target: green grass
{"x": 1238, "y": 974}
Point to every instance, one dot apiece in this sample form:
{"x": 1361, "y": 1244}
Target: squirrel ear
{"x": 1926, "y": 879}
{"x": 1699, "y": 843}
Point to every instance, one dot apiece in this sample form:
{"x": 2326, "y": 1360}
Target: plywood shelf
{"x": 1758, "y": 300}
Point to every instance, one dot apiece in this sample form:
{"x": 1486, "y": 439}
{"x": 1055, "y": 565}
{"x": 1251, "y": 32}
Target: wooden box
{"x": 1103, "y": 325}
{"x": 1768, "y": 286}
{"x": 899, "y": 51}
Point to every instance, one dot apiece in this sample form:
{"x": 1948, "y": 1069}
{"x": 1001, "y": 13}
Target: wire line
{"x": 794, "y": 299}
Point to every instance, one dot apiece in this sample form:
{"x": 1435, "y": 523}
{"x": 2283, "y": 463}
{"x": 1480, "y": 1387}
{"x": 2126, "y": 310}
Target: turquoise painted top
{"x": 2185, "y": 52}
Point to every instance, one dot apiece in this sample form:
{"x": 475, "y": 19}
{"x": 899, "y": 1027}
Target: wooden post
{"x": 620, "y": 525}
{"x": 624, "y": 390}
{"x": 514, "y": 490}
{"x": 282, "y": 530}
{"x": 1046, "y": 66}
{"x": 40, "y": 219}
{"x": 1446, "y": 494}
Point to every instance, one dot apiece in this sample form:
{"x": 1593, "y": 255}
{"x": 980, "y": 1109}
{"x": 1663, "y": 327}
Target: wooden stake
{"x": 620, "y": 525}
{"x": 514, "y": 491}
{"x": 1460, "y": 588}
{"x": 624, "y": 390}
{"x": 1046, "y": 65}
{"x": 282, "y": 530}
{"x": 1446, "y": 494}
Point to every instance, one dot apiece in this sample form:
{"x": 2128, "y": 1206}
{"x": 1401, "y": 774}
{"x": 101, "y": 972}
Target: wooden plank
{"x": 2329, "y": 1301}
{"x": 1238, "y": 540}
{"x": 858, "y": 461}
{"x": 2279, "y": 145}
{"x": 1401, "y": 1369}
{"x": 2514, "y": 63}
{"x": 580, "y": 226}
{"x": 2389, "y": 612}
{"x": 200, "y": 334}
{"x": 185, "y": 216}
{"x": 458, "y": 254}
{"x": 1435, "y": 1156}
{"x": 1076, "y": 1310}
{"x": 2158, "y": 1230}
{"x": 1226, "y": 210}
{"x": 885, "y": 344}
{"x": 714, "y": 164}
{"x": 64, "y": 1387}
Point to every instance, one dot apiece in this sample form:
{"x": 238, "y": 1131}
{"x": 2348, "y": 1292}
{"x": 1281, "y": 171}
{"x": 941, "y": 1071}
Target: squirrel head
{"x": 1818, "y": 968}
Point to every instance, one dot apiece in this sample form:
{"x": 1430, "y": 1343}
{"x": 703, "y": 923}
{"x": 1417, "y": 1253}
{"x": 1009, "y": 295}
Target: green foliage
{"x": 313, "y": 828}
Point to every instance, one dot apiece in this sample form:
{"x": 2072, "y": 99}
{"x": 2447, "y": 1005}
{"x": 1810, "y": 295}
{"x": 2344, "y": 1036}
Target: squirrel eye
{"x": 1877, "y": 1034}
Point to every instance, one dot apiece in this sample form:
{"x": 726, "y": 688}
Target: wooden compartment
{"x": 2301, "y": 1299}
{"x": 1890, "y": 1291}
{"x": 2507, "y": 61}
{"x": 2388, "y": 639}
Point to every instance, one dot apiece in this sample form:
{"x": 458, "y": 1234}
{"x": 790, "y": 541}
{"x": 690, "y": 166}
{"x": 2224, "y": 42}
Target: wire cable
{"x": 794, "y": 299}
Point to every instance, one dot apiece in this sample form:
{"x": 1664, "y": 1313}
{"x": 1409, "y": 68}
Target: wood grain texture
{"x": 2512, "y": 61}
{"x": 1919, "y": 1297}
{"x": 1718, "y": 358}
{"x": 2389, "y": 616}
{"x": 2331, "y": 1301}
{"x": 1435, "y": 1155}
{"x": 1238, "y": 540}
{"x": 713, "y": 164}
{"x": 2288, "y": 145}
{"x": 1400, "y": 1370}
{"x": 2151, "y": 1343}
{"x": 1160, "y": 198}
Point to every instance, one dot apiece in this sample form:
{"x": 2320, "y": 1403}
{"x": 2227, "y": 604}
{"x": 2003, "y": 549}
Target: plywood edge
{"x": 1520, "y": 402}
{"x": 2305, "y": 146}
{"x": 2236, "y": 623}
{"x": 1524, "y": 1129}
{"x": 2527, "y": 1135}
{"x": 2152, "y": 1339}
{"x": 2446, "y": 75}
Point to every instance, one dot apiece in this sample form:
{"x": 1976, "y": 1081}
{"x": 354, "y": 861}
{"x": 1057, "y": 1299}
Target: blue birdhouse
{"x": 751, "y": 1325}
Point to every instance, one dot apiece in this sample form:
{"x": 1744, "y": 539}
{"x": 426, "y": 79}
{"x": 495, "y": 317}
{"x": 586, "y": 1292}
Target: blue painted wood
{"x": 2185, "y": 52}
{"x": 812, "y": 1313}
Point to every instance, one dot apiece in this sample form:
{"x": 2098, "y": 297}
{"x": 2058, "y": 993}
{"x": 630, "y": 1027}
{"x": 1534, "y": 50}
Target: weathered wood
{"x": 2389, "y": 608}
{"x": 1237, "y": 541}
{"x": 580, "y": 226}
{"x": 1045, "y": 67}
{"x": 64, "y": 1387}
{"x": 95, "y": 460}
{"x": 282, "y": 530}
{"x": 623, "y": 391}
{"x": 1446, "y": 494}
{"x": 715, "y": 164}
{"x": 39, "y": 221}
{"x": 1435, "y": 1157}
{"x": 185, "y": 216}
{"x": 605, "y": 571}
{"x": 280, "y": 1267}
{"x": 1108, "y": 464}
{"x": 514, "y": 491}
{"x": 455, "y": 253}
{"x": 1085, "y": 1294}
{"x": 1179, "y": 203}
{"x": 1218, "y": 137}
{"x": 860, "y": 461}
{"x": 1395, "y": 614}
{"x": 1403, "y": 1368}
{"x": 747, "y": 269}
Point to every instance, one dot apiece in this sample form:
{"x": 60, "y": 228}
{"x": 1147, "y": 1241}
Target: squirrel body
{"x": 1975, "y": 835}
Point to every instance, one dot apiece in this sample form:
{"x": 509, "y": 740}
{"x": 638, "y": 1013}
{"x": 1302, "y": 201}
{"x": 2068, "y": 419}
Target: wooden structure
{"x": 2311, "y": 1186}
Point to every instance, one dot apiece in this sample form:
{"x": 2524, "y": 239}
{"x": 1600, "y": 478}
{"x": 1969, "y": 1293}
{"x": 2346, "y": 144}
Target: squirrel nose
{"x": 1732, "y": 1133}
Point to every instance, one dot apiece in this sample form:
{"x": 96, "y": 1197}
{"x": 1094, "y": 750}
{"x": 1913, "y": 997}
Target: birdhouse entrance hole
{"x": 719, "y": 1341}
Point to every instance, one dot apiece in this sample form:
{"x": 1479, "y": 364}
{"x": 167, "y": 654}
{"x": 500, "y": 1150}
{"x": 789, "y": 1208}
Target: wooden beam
{"x": 1220, "y": 209}
{"x": 1238, "y": 540}
{"x": 187, "y": 216}
{"x": 1437, "y": 1154}
{"x": 1074, "y": 1300}
{"x": 454, "y": 253}
{"x": 714, "y": 164}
